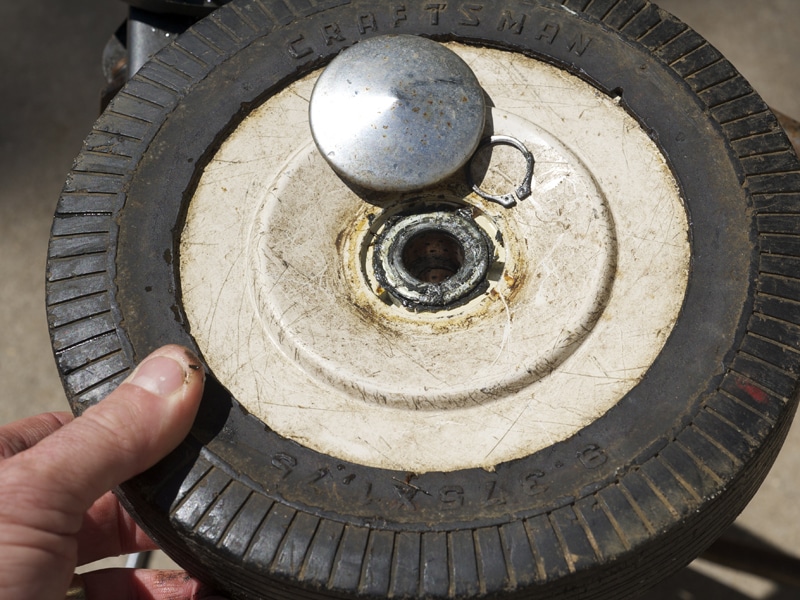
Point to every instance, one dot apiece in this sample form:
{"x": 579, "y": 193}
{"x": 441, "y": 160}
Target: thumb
{"x": 53, "y": 483}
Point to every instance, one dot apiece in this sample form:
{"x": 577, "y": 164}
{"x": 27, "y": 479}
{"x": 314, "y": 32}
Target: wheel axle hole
{"x": 432, "y": 256}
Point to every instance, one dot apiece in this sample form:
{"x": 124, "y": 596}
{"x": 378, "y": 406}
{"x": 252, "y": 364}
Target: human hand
{"x": 56, "y": 511}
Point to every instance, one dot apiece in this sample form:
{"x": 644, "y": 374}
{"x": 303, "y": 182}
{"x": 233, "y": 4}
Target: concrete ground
{"x": 49, "y": 82}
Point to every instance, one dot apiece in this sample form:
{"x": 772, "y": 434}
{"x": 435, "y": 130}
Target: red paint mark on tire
{"x": 757, "y": 394}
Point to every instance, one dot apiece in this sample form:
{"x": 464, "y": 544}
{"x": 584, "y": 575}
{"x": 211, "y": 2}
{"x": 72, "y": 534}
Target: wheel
{"x": 581, "y": 427}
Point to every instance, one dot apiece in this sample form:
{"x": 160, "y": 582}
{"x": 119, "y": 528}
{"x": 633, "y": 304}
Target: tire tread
{"x": 406, "y": 565}
{"x": 216, "y": 522}
{"x": 269, "y": 537}
{"x": 321, "y": 552}
{"x": 290, "y": 555}
{"x": 600, "y": 9}
{"x": 493, "y": 569}
{"x": 547, "y": 548}
{"x": 199, "y": 501}
{"x": 523, "y": 568}
{"x": 347, "y": 565}
{"x": 240, "y": 534}
{"x": 662, "y": 34}
{"x": 602, "y": 533}
{"x": 84, "y": 379}
{"x": 623, "y": 13}
{"x": 576, "y": 547}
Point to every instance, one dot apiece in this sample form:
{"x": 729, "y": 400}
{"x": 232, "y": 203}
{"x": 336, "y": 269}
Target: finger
{"x": 21, "y": 435}
{"x": 137, "y": 424}
{"x": 108, "y": 530}
{"x": 45, "y": 490}
{"x": 144, "y": 584}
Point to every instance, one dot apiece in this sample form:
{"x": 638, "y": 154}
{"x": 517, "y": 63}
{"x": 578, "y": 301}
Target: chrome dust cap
{"x": 397, "y": 113}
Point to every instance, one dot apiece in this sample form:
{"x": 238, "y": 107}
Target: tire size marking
{"x": 592, "y": 457}
{"x": 411, "y": 493}
{"x": 531, "y": 485}
{"x": 292, "y": 472}
{"x": 492, "y": 496}
{"x": 451, "y": 497}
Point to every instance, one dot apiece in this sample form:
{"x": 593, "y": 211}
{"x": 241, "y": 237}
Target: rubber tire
{"x": 605, "y": 514}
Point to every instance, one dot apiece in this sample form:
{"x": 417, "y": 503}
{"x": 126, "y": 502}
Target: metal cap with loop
{"x": 397, "y": 113}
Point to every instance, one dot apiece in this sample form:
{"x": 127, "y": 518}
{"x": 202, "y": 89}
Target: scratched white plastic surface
{"x": 595, "y": 265}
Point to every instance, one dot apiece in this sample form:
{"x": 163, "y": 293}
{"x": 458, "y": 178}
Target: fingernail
{"x": 160, "y": 375}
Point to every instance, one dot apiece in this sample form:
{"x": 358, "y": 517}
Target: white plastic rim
{"x": 589, "y": 281}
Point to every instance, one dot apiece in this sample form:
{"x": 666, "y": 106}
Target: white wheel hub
{"x": 587, "y": 279}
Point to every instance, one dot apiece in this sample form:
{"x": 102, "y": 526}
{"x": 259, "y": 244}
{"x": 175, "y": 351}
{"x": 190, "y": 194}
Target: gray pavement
{"x": 49, "y": 88}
